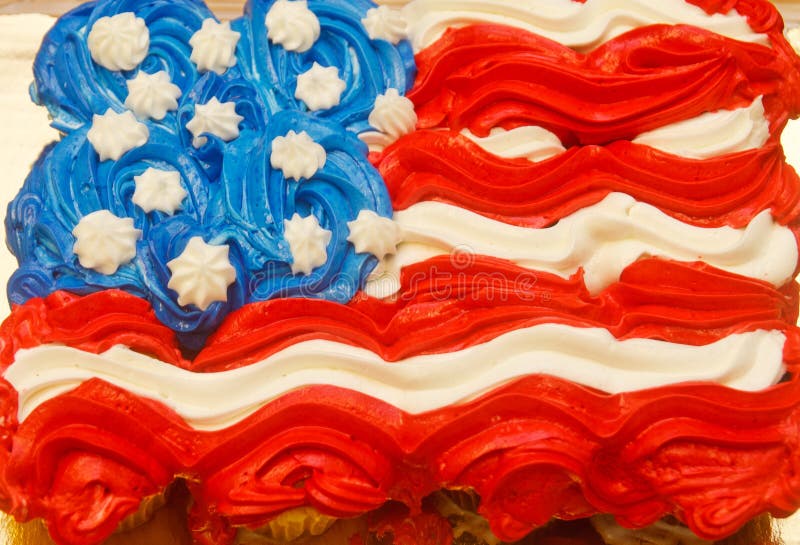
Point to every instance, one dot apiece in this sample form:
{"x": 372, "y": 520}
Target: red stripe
{"x": 442, "y": 306}
{"x": 728, "y": 190}
{"x": 536, "y": 449}
{"x": 486, "y": 76}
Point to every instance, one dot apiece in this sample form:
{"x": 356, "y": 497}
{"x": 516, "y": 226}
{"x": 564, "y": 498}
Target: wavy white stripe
{"x": 593, "y": 357}
{"x": 604, "y": 239}
{"x": 712, "y": 134}
{"x": 582, "y": 26}
{"x": 706, "y": 136}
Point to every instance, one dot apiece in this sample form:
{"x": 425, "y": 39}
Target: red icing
{"x": 78, "y": 460}
{"x": 486, "y": 76}
{"x": 729, "y": 190}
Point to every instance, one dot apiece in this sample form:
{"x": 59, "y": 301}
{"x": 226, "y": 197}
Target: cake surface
{"x": 558, "y": 274}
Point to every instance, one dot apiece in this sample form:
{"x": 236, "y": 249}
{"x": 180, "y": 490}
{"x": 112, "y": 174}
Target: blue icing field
{"x": 234, "y": 195}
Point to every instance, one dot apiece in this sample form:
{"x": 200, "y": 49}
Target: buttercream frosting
{"x": 531, "y": 143}
{"x": 104, "y": 242}
{"x": 214, "y": 46}
{"x": 308, "y": 243}
{"x": 152, "y": 95}
{"x": 113, "y": 134}
{"x": 214, "y": 117}
{"x": 119, "y": 42}
{"x": 159, "y": 190}
{"x": 385, "y": 23}
{"x": 297, "y": 156}
{"x": 201, "y": 274}
{"x": 292, "y": 25}
{"x": 320, "y": 87}
{"x": 373, "y": 234}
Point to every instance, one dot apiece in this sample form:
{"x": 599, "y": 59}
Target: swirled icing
{"x": 308, "y": 243}
{"x": 214, "y": 46}
{"x": 320, "y": 87}
{"x": 120, "y": 42}
{"x": 531, "y": 143}
{"x": 104, "y": 242}
{"x": 112, "y": 135}
{"x": 201, "y": 274}
{"x": 152, "y": 95}
{"x": 292, "y": 25}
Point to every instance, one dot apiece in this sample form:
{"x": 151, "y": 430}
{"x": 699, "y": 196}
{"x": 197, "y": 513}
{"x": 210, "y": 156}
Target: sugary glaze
{"x": 541, "y": 293}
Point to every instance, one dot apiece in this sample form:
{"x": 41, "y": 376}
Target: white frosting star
{"x": 112, "y": 134}
{"x": 104, "y": 242}
{"x": 374, "y": 234}
{"x": 201, "y": 274}
{"x": 214, "y": 46}
{"x": 392, "y": 116}
{"x": 292, "y": 25}
{"x": 152, "y": 95}
{"x": 320, "y": 87}
{"x": 308, "y": 243}
{"x": 159, "y": 190}
{"x": 214, "y": 117}
{"x": 297, "y": 155}
{"x": 385, "y": 23}
{"x": 120, "y": 42}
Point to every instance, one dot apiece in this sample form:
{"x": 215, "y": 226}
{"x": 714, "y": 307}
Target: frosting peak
{"x": 104, "y": 242}
{"x": 214, "y": 46}
{"x": 385, "y": 23}
{"x": 308, "y": 242}
{"x": 113, "y": 134}
{"x": 291, "y": 24}
{"x": 120, "y": 42}
{"x": 217, "y": 118}
{"x": 320, "y": 88}
{"x": 152, "y": 95}
{"x": 297, "y": 155}
{"x": 201, "y": 274}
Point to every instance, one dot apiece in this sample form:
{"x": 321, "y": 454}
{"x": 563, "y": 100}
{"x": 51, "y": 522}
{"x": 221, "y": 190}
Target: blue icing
{"x": 234, "y": 196}
{"x": 368, "y": 67}
{"x": 73, "y": 87}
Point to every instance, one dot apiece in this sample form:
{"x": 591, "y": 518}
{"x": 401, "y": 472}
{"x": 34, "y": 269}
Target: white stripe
{"x": 582, "y": 26}
{"x": 604, "y": 239}
{"x": 706, "y": 136}
{"x": 212, "y": 401}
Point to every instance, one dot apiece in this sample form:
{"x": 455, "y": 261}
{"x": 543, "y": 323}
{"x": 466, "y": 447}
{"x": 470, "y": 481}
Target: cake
{"x": 454, "y": 269}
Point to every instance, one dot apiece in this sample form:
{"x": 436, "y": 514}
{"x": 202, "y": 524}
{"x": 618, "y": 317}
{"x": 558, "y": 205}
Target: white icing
{"x": 603, "y": 239}
{"x": 582, "y": 26}
{"x": 593, "y": 357}
{"x": 214, "y": 47}
{"x": 291, "y": 24}
{"x": 297, "y": 156}
{"x": 308, "y": 243}
{"x": 152, "y": 95}
{"x": 217, "y": 118}
{"x": 392, "y": 116}
{"x": 159, "y": 190}
{"x": 112, "y": 134}
{"x": 385, "y": 23}
{"x": 120, "y": 42}
{"x": 712, "y": 134}
{"x": 201, "y": 274}
{"x": 793, "y": 35}
{"x": 104, "y": 242}
{"x": 320, "y": 87}
{"x": 374, "y": 234}
{"x": 530, "y": 142}
{"x": 658, "y": 533}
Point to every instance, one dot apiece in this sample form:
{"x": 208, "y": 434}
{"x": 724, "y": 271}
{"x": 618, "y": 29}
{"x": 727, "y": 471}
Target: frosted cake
{"x": 432, "y": 263}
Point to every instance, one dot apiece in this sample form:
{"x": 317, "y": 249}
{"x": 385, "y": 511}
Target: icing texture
{"x": 367, "y": 67}
{"x": 298, "y": 207}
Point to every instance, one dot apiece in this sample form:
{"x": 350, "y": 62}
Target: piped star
{"x": 374, "y": 234}
{"x": 201, "y": 274}
{"x": 152, "y": 95}
{"x": 112, "y": 134}
{"x": 292, "y": 25}
{"x": 385, "y": 23}
{"x": 214, "y": 117}
{"x": 120, "y": 42}
{"x": 297, "y": 155}
{"x": 308, "y": 242}
{"x": 104, "y": 242}
{"x": 320, "y": 87}
{"x": 214, "y": 46}
{"x": 159, "y": 190}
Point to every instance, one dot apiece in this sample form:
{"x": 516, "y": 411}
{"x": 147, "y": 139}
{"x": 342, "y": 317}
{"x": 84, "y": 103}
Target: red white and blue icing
{"x": 589, "y": 330}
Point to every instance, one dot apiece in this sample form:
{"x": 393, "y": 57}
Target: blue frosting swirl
{"x": 73, "y": 87}
{"x": 368, "y": 67}
{"x": 235, "y": 197}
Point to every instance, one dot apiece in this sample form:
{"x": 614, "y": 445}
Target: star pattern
{"x": 152, "y": 95}
{"x": 217, "y": 118}
{"x": 374, "y": 234}
{"x": 201, "y": 274}
{"x": 114, "y": 134}
{"x": 104, "y": 242}
{"x": 308, "y": 242}
{"x": 159, "y": 190}
{"x": 320, "y": 88}
{"x": 214, "y": 47}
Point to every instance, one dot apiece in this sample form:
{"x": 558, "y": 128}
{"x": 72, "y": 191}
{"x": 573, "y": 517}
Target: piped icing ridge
{"x": 294, "y": 219}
